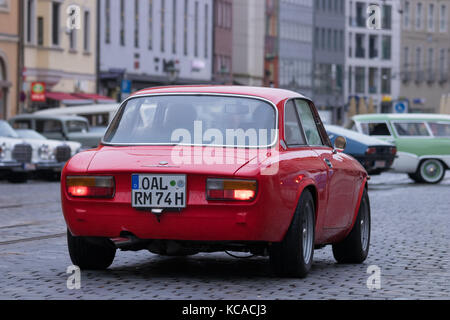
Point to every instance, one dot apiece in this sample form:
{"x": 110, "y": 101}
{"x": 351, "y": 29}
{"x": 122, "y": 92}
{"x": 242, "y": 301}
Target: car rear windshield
{"x": 194, "y": 120}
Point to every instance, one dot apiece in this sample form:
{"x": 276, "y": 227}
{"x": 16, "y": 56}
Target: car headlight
{"x": 45, "y": 152}
{"x": 3, "y": 149}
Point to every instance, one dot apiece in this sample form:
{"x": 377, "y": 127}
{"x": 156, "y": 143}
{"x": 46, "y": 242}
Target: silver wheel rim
{"x": 431, "y": 171}
{"x": 307, "y": 232}
{"x": 365, "y": 226}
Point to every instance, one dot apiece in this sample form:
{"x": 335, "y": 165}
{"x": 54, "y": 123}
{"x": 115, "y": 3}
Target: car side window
{"x": 22, "y": 124}
{"x": 292, "y": 131}
{"x": 308, "y": 123}
{"x": 375, "y": 128}
{"x": 411, "y": 129}
{"x": 48, "y": 126}
{"x": 440, "y": 129}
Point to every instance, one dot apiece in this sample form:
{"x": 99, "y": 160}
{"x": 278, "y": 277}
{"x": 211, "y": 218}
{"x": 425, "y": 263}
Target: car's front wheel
{"x": 431, "y": 171}
{"x": 294, "y": 255}
{"x": 355, "y": 248}
{"x": 90, "y": 254}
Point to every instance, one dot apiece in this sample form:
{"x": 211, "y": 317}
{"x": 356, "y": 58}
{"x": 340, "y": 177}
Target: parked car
{"x": 15, "y": 155}
{"x": 261, "y": 190}
{"x": 52, "y": 155}
{"x": 422, "y": 140}
{"x": 63, "y": 128}
{"x": 375, "y": 155}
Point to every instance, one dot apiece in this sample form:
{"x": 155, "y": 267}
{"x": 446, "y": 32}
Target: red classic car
{"x": 190, "y": 169}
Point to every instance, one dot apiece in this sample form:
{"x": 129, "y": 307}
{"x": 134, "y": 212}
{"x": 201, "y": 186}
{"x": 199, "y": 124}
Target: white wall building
{"x": 154, "y": 42}
{"x": 373, "y": 55}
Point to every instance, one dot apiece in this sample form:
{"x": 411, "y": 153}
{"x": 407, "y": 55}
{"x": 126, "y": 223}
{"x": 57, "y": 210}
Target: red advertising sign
{"x": 38, "y": 92}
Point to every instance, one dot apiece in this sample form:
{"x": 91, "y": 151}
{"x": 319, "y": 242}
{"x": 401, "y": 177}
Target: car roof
{"x": 271, "y": 94}
{"x": 49, "y": 116}
{"x": 408, "y": 116}
{"x": 359, "y": 137}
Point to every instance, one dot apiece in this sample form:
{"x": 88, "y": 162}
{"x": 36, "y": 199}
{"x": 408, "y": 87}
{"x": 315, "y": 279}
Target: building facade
{"x": 9, "y": 57}
{"x": 425, "y": 54}
{"x": 153, "y": 43}
{"x": 373, "y": 53}
{"x": 248, "y": 42}
{"x": 223, "y": 42}
{"x": 329, "y": 59}
{"x": 58, "y": 53}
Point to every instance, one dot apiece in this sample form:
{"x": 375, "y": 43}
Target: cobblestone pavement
{"x": 410, "y": 244}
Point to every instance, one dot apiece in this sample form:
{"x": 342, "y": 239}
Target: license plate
{"x": 29, "y": 166}
{"x": 380, "y": 164}
{"x": 158, "y": 191}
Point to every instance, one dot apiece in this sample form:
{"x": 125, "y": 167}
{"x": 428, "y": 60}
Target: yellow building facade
{"x": 59, "y": 47}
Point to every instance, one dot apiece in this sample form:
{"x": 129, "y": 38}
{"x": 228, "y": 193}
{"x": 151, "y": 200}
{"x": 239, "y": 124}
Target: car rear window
{"x": 411, "y": 129}
{"x": 440, "y": 129}
{"x": 375, "y": 129}
{"x": 194, "y": 120}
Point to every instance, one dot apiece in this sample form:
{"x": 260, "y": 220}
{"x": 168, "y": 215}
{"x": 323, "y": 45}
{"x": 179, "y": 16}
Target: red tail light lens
{"x": 371, "y": 151}
{"x": 90, "y": 187}
{"x": 234, "y": 190}
{"x": 394, "y": 150}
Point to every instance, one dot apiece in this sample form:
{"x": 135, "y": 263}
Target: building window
{"x": 406, "y": 15}
{"x": 73, "y": 39}
{"x": 122, "y": 23}
{"x": 196, "y": 30}
{"x": 40, "y": 31}
{"x": 206, "y": 29}
{"x": 30, "y": 12}
{"x": 442, "y": 65}
{"x": 360, "y": 81}
{"x": 431, "y": 17}
{"x": 373, "y": 46}
{"x": 174, "y": 27}
{"x": 360, "y": 46}
{"x": 150, "y": 24}
{"x": 386, "y": 81}
{"x": 443, "y": 19}
{"x": 406, "y": 59}
{"x": 419, "y": 64}
{"x": 163, "y": 31}
{"x": 136, "y": 23}
{"x": 387, "y": 17}
{"x": 419, "y": 16}
{"x": 373, "y": 80}
{"x": 185, "y": 27}
{"x": 430, "y": 66}
{"x": 361, "y": 14}
{"x": 108, "y": 21}
{"x": 387, "y": 40}
{"x": 87, "y": 31}
{"x": 55, "y": 23}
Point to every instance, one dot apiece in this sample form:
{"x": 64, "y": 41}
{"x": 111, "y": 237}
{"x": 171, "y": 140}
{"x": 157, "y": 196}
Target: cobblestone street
{"x": 410, "y": 244}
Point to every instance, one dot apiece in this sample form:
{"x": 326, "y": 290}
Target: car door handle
{"x": 329, "y": 164}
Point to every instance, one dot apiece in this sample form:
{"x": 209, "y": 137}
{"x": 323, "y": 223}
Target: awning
{"x": 96, "y": 97}
{"x": 67, "y": 98}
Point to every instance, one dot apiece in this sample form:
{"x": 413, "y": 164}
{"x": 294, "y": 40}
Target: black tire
{"x": 90, "y": 254}
{"x": 288, "y": 258}
{"x": 355, "y": 248}
{"x": 17, "y": 177}
{"x": 415, "y": 177}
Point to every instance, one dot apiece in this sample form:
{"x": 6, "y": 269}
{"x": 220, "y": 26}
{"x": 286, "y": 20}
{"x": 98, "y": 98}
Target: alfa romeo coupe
{"x": 183, "y": 170}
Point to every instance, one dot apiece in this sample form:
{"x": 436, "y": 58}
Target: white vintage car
{"x": 24, "y": 152}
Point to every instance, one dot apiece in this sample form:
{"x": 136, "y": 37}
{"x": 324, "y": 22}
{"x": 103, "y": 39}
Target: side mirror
{"x": 340, "y": 144}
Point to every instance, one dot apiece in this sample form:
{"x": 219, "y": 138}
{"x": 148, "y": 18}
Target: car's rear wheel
{"x": 90, "y": 254}
{"x": 355, "y": 248}
{"x": 294, "y": 255}
{"x": 431, "y": 171}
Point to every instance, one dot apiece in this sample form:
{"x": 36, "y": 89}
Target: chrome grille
{"x": 22, "y": 153}
{"x": 63, "y": 153}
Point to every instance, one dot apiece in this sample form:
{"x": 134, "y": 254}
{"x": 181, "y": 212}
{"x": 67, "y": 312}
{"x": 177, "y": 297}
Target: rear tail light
{"x": 234, "y": 190}
{"x": 371, "y": 151}
{"x": 90, "y": 187}
{"x": 394, "y": 150}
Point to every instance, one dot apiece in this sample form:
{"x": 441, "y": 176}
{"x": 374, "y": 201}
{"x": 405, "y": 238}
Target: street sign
{"x": 126, "y": 86}
{"x": 38, "y": 92}
{"x": 401, "y": 107}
